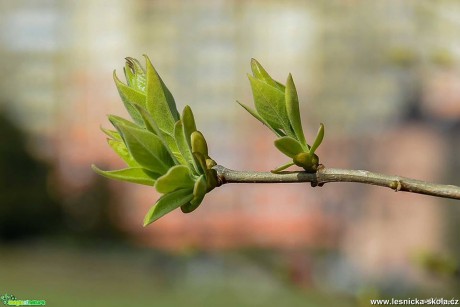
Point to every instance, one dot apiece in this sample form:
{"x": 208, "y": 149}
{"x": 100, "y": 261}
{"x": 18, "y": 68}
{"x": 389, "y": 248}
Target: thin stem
{"x": 325, "y": 175}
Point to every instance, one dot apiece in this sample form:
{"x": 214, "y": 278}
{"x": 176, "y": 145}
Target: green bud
{"x": 306, "y": 161}
{"x": 199, "y": 143}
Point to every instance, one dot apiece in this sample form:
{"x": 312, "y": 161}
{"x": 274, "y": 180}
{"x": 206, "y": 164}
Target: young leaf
{"x": 289, "y": 146}
{"x": 135, "y": 74}
{"x": 199, "y": 191}
{"x": 259, "y": 118}
{"x": 183, "y": 146}
{"x": 282, "y": 167}
{"x": 199, "y": 143}
{"x": 130, "y": 96}
{"x": 260, "y": 73}
{"x": 160, "y": 103}
{"x": 117, "y": 120}
{"x": 211, "y": 179}
{"x": 292, "y": 107}
{"x": 200, "y": 161}
{"x": 188, "y": 123}
{"x": 168, "y": 203}
{"x": 169, "y": 143}
{"x": 135, "y": 175}
{"x": 146, "y": 148}
{"x": 177, "y": 177}
{"x": 112, "y": 134}
{"x": 318, "y": 139}
{"x": 120, "y": 149}
{"x": 270, "y": 105}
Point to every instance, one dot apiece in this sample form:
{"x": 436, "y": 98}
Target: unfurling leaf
{"x": 292, "y": 107}
{"x": 146, "y": 148}
{"x": 289, "y": 146}
{"x": 318, "y": 139}
{"x": 120, "y": 149}
{"x": 183, "y": 145}
{"x": 130, "y": 96}
{"x": 199, "y": 143}
{"x": 160, "y": 103}
{"x": 277, "y": 107}
{"x": 260, "y": 73}
{"x": 112, "y": 134}
{"x": 167, "y": 203}
{"x": 135, "y": 175}
{"x": 269, "y": 102}
{"x": 135, "y": 74}
{"x": 178, "y": 177}
{"x": 158, "y": 146}
{"x": 199, "y": 191}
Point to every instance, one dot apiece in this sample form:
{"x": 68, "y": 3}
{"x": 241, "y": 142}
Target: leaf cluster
{"x": 277, "y": 107}
{"x": 160, "y": 147}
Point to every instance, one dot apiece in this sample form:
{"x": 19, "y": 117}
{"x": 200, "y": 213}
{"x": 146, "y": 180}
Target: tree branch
{"x": 325, "y": 175}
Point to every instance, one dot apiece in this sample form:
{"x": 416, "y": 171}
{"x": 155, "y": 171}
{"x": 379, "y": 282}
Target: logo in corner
{"x": 11, "y": 300}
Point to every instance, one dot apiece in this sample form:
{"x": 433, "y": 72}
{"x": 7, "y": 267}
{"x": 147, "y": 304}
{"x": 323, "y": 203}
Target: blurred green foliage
{"x": 26, "y": 207}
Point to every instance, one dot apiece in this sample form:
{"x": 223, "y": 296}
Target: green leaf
{"x": 146, "y": 148}
{"x": 135, "y": 175}
{"x": 260, "y": 73}
{"x": 152, "y": 126}
{"x": 117, "y": 120}
{"x": 318, "y": 139}
{"x": 200, "y": 161}
{"x": 177, "y": 177}
{"x": 135, "y": 74}
{"x": 120, "y": 149}
{"x": 168, "y": 203}
{"x": 111, "y": 134}
{"x": 282, "y": 167}
{"x": 183, "y": 145}
{"x": 130, "y": 96}
{"x": 270, "y": 105}
{"x": 199, "y": 192}
{"x": 199, "y": 143}
{"x": 211, "y": 179}
{"x": 160, "y": 103}
{"x": 289, "y": 146}
{"x": 188, "y": 123}
{"x": 259, "y": 118}
{"x": 292, "y": 107}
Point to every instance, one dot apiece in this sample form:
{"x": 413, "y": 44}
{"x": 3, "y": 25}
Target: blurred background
{"x": 384, "y": 78}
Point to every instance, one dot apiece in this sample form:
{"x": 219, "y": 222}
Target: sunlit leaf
{"x": 160, "y": 103}
{"x": 292, "y": 107}
{"x": 146, "y": 148}
{"x": 260, "y": 73}
{"x": 168, "y": 142}
{"x": 188, "y": 123}
{"x": 120, "y": 149}
{"x": 112, "y": 134}
{"x": 289, "y": 146}
{"x": 282, "y": 167}
{"x": 318, "y": 139}
{"x": 199, "y": 143}
{"x": 270, "y": 105}
{"x": 135, "y": 74}
{"x": 200, "y": 161}
{"x": 130, "y": 96}
{"x": 199, "y": 191}
{"x": 177, "y": 177}
{"x": 168, "y": 203}
{"x": 135, "y": 175}
{"x": 183, "y": 145}
{"x": 259, "y": 118}
{"x": 117, "y": 120}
